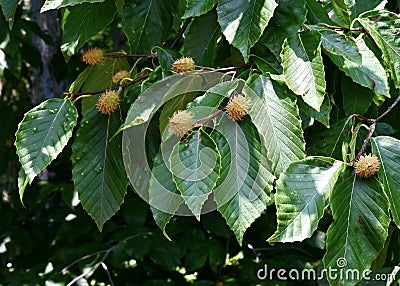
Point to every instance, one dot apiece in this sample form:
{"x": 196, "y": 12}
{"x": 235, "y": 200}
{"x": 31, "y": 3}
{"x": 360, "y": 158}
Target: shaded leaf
{"x": 387, "y": 149}
{"x": 334, "y": 142}
{"x": 166, "y": 57}
{"x": 317, "y": 13}
{"x": 288, "y": 17}
{"x": 43, "y": 133}
{"x": 384, "y": 28}
{"x": 302, "y": 194}
{"x": 360, "y": 227}
{"x": 268, "y": 64}
{"x": 201, "y": 39}
{"x": 195, "y": 8}
{"x": 243, "y": 21}
{"x": 98, "y": 170}
{"x": 322, "y": 116}
{"x": 356, "y": 98}
{"x": 146, "y": 23}
{"x": 303, "y": 68}
{"x": 80, "y": 23}
{"x": 274, "y": 113}
{"x": 195, "y": 164}
{"x": 364, "y": 6}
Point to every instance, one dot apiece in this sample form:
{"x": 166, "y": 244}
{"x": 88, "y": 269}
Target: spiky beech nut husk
{"x": 93, "y": 56}
{"x": 181, "y": 122}
{"x": 108, "y": 102}
{"x": 120, "y": 75}
{"x": 367, "y": 166}
{"x": 238, "y": 107}
{"x": 184, "y": 64}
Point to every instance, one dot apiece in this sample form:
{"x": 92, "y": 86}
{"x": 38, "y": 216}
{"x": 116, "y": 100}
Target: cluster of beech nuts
{"x": 181, "y": 121}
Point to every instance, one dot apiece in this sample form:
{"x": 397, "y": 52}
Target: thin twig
{"x": 372, "y": 128}
{"x": 108, "y": 273}
{"x": 202, "y": 121}
{"x": 122, "y": 55}
{"x": 389, "y": 108}
{"x": 106, "y": 251}
{"x": 181, "y": 32}
{"x": 124, "y": 85}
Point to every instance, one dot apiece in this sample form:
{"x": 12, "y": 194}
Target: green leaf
{"x": 80, "y": 23}
{"x": 22, "y": 183}
{"x": 195, "y": 8}
{"x": 166, "y": 57}
{"x": 243, "y": 189}
{"x": 343, "y": 10}
{"x": 274, "y": 112}
{"x": 56, "y": 4}
{"x": 338, "y": 43}
{"x": 384, "y": 27}
{"x": 387, "y": 149}
{"x": 360, "y": 227}
{"x": 288, "y": 17}
{"x": 98, "y": 170}
{"x": 334, "y": 142}
{"x": 43, "y": 133}
{"x": 303, "y": 68}
{"x": 356, "y": 98}
{"x": 367, "y": 72}
{"x": 322, "y": 116}
{"x": 244, "y": 21}
{"x": 146, "y": 23}
{"x": 195, "y": 164}
{"x": 9, "y": 7}
{"x": 201, "y": 39}
{"x": 302, "y": 194}
{"x": 164, "y": 198}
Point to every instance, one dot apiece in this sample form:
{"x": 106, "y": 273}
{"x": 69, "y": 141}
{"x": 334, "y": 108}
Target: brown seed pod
{"x": 120, "y": 75}
{"x": 93, "y": 56}
{"x": 238, "y": 107}
{"x": 108, "y": 102}
{"x": 181, "y": 122}
{"x": 367, "y": 166}
{"x": 184, "y": 64}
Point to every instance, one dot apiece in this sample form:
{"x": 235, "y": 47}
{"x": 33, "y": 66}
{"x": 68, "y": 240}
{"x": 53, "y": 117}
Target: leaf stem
{"x": 124, "y": 85}
{"x": 343, "y": 28}
{"x": 372, "y": 128}
{"x": 225, "y": 69}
